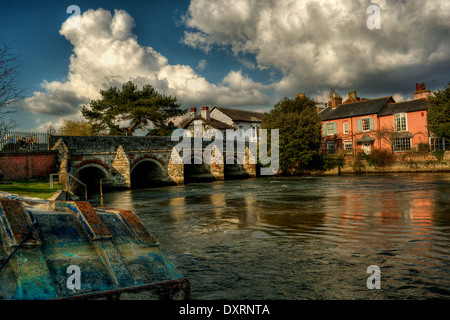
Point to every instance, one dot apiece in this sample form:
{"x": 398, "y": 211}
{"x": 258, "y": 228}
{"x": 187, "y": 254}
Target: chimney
{"x": 352, "y": 95}
{"x": 335, "y": 100}
{"x": 421, "y": 91}
{"x": 300, "y": 96}
{"x": 193, "y": 112}
{"x": 205, "y": 113}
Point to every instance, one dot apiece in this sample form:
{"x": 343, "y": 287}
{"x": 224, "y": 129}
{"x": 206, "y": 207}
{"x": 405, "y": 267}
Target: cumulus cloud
{"x": 106, "y": 53}
{"x": 326, "y": 43}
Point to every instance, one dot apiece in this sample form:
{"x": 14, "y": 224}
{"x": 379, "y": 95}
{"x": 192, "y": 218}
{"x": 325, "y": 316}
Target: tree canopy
{"x": 299, "y": 127}
{"x": 75, "y": 128}
{"x": 439, "y": 113}
{"x": 132, "y": 108}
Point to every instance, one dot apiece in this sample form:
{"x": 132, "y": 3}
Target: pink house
{"x": 360, "y": 125}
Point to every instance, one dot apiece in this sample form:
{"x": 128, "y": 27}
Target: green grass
{"x": 33, "y": 188}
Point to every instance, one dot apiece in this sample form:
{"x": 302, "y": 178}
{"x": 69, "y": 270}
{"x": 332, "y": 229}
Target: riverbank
{"x": 402, "y": 163}
{"x": 33, "y": 188}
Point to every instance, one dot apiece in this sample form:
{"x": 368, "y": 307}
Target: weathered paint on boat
{"x": 117, "y": 256}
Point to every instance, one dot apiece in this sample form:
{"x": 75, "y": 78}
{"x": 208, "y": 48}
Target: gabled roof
{"x": 373, "y": 106}
{"x": 351, "y": 100}
{"x": 241, "y": 115}
{"x": 406, "y": 106}
{"x": 366, "y": 138}
{"x": 212, "y": 122}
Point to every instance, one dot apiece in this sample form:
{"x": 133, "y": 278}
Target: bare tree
{"x": 10, "y": 93}
{"x": 389, "y": 134}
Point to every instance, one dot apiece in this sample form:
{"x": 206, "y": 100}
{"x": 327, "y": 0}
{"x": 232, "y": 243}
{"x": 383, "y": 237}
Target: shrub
{"x": 439, "y": 155}
{"x": 380, "y": 158}
{"x": 358, "y": 164}
{"x": 423, "y": 148}
{"x": 331, "y": 161}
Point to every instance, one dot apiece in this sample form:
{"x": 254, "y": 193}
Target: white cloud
{"x": 106, "y": 53}
{"x": 202, "y": 64}
{"x": 326, "y": 43}
{"x": 398, "y": 97}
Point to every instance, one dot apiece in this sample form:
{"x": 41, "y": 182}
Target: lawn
{"x": 33, "y": 188}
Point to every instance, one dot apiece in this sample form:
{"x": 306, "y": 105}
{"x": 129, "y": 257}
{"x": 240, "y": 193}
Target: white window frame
{"x": 330, "y": 128}
{"x": 363, "y": 124}
{"x": 402, "y": 126}
{"x": 345, "y": 128}
{"x": 400, "y": 144}
{"x": 438, "y": 143}
{"x": 348, "y": 143}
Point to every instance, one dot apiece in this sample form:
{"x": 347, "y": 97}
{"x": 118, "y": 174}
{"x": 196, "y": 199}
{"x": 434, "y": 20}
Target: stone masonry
{"x": 117, "y": 156}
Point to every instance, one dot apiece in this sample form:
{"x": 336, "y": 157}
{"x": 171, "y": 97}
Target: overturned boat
{"x": 70, "y": 250}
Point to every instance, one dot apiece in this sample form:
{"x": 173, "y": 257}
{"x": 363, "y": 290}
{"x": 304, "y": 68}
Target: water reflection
{"x": 177, "y": 208}
{"x": 266, "y": 238}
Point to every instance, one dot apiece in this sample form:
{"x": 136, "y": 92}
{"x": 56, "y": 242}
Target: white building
{"x": 240, "y": 119}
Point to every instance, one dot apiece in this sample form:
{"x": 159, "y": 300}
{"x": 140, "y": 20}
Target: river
{"x": 303, "y": 237}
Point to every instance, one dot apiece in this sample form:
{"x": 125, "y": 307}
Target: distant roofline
{"x": 349, "y": 106}
{"x": 250, "y": 113}
{"x": 210, "y": 122}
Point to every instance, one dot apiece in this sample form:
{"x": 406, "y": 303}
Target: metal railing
{"x": 11, "y": 141}
{"x": 68, "y": 177}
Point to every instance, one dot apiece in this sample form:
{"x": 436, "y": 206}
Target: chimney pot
{"x": 205, "y": 113}
{"x": 335, "y": 100}
{"x": 421, "y": 92}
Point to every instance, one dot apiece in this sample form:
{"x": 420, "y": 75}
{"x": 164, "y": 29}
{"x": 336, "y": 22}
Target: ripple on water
{"x": 304, "y": 238}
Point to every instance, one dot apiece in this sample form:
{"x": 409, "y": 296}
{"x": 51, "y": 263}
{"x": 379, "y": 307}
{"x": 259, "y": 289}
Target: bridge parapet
{"x": 122, "y": 161}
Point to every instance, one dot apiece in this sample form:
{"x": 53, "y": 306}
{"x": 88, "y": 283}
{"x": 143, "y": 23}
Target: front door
{"x": 367, "y": 147}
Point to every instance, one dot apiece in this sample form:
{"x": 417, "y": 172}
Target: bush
{"x": 331, "y": 161}
{"x": 423, "y": 148}
{"x": 358, "y": 165}
{"x": 380, "y": 158}
{"x": 439, "y": 155}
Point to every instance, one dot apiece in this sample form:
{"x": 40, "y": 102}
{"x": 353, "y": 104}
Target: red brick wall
{"x": 24, "y": 166}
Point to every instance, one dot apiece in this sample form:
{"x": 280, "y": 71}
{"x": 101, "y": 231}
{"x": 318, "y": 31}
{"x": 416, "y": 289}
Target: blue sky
{"x": 244, "y": 54}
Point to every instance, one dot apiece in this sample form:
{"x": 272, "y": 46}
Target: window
{"x": 366, "y": 124}
{"x": 330, "y": 129}
{"x": 348, "y": 145}
{"x": 345, "y": 129}
{"x": 400, "y": 122}
{"x": 402, "y": 144}
{"x": 331, "y": 146}
{"x": 437, "y": 143}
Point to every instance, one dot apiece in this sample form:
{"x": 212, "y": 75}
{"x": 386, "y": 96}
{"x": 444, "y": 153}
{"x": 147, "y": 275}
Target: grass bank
{"x": 33, "y": 188}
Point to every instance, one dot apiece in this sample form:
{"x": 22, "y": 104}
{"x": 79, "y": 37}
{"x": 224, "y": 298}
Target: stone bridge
{"x": 134, "y": 162}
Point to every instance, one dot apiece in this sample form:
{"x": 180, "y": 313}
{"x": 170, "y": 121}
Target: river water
{"x": 303, "y": 237}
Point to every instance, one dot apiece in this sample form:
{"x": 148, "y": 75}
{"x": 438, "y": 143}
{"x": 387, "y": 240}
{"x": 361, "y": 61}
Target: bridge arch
{"x": 233, "y": 170}
{"x": 197, "y": 172}
{"x": 90, "y": 174}
{"x": 147, "y": 172}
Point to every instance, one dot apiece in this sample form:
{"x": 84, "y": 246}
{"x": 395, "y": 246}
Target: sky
{"x": 243, "y": 54}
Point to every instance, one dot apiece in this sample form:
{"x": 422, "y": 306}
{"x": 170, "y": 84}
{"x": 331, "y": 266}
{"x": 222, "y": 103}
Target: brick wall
{"x": 25, "y": 166}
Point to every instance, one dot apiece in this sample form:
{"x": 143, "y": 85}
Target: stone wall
{"x": 404, "y": 163}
